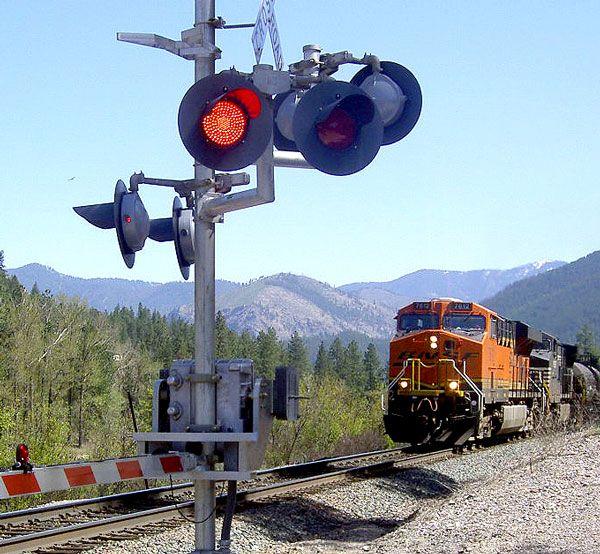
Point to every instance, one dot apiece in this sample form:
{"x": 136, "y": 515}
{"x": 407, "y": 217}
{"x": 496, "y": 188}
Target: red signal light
{"x": 127, "y": 219}
{"x": 225, "y": 124}
{"x": 338, "y": 130}
{"x": 22, "y": 454}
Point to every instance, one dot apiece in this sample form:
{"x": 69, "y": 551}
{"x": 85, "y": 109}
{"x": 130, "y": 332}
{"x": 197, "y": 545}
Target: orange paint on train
{"x": 433, "y": 335}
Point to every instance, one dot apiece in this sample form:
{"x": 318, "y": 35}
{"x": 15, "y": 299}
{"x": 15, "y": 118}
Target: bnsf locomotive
{"x": 461, "y": 372}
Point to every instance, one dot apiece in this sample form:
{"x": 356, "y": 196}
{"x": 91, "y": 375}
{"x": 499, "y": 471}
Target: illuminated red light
{"x": 127, "y": 219}
{"x": 225, "y": 124}
{"x": 338, "y": 131}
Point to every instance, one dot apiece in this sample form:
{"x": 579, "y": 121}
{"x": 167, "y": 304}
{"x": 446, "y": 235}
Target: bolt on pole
{"x": 204, "y": 304}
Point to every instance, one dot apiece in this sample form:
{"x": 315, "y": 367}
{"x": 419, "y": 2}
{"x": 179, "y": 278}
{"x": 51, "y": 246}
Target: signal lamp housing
{"x": 284, "y": 107}
{"x": 180, "y": 229}
{"x": 22, "y": 461}
{"x": 126, "y": 214}
{"x": 337, "y": 128}
{"x": 397, "y": 95}
{"x": 225, "y": 122}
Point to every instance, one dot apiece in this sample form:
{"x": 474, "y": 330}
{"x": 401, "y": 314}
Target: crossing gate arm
{"x": 69, "y": 476}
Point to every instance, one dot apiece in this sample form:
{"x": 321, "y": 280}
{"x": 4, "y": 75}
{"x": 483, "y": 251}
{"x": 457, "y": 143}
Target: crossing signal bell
{"x": 225, "y": 122}
{"x": 126, "y": 214}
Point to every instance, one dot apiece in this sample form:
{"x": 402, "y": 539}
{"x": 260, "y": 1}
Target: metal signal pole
{"x": 204, "y": 391}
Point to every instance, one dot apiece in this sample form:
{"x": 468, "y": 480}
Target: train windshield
{"x": 418, "y": 322}
{"x": 465, "y": 322}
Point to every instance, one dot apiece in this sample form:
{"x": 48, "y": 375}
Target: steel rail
{"x": 105, "y": 526}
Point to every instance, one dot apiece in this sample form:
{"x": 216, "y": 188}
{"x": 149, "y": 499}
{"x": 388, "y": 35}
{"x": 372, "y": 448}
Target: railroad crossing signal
{"x": 338, "y": 127}
{"x": 225, "y": 122}
{"x": 180, "y": 229}
{"x": 126, "y": 214}
{"x": 129, "y": 217}
{"x": 397, "y": 95}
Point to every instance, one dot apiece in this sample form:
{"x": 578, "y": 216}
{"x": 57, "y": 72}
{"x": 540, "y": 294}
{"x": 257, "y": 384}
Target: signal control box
{"x": 245, "y": 407}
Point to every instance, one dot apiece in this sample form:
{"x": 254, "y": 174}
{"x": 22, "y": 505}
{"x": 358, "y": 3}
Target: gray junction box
{"x": 246, "y": 405}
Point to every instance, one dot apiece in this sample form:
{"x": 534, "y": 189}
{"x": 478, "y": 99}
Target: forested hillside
{"x": 560, "y": 301}
{"x": 67, "y": 371}
{"x": 288, "y": 302}
{"x": 105, "y": 293}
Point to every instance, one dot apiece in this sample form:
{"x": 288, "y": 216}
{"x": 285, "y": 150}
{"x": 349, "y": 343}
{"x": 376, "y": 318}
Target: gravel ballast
{"x": 535, "y": 496}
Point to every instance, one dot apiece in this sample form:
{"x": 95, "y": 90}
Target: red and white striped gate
{"x": 68, "y": 476}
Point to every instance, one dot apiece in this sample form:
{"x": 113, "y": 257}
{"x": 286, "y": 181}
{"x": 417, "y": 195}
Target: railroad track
{"x": 82, "y": 524}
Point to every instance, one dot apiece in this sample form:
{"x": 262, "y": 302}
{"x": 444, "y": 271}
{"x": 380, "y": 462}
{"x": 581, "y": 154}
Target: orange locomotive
{"x": 460, "y": 372}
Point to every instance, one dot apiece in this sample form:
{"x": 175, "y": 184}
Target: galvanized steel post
{"x": 204, "y": 306}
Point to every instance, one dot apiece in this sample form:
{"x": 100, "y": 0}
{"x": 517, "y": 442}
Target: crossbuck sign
{"x": 266, "y": 22}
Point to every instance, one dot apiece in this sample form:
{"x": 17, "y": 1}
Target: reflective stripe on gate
{"x": 68, "y": 476}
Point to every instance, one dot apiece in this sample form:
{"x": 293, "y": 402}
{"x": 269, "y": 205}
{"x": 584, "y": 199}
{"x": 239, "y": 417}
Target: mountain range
{"x": 289, "y": 302}
{"x": 433, "y": 283}
{"x": 560, "y": 302}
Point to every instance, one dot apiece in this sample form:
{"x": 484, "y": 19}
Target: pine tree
{"x": 323, "y": 365}
{"x": 353, "y": 366}
{"x": 225, "y": 338}
{"x": 297, "y": 354}
{"x": 246, "y": 346}
{"x": 268, "y": 353}
{"x": 337, "y": 354}
{"x": 586, "y": 345}
{"x": 372, "y": 367}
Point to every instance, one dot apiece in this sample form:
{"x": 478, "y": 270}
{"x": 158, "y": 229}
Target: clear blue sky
{"x": 502, "y": 169}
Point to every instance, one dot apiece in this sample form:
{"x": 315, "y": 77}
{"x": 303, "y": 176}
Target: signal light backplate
{"x": 337, "y": 155}
{"x": 405, "y": 121}
{"x": 227, "y": 153}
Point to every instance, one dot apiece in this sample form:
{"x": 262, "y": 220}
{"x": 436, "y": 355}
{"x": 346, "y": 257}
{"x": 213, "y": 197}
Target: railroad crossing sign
{"x": 265, "y": 21}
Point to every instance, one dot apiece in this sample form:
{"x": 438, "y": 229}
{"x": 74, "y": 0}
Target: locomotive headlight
{"x": 453, "y": 385}
{"x": 404, "y": 384}
{"x": 433, "y": 338}
{"x": 433, "y": 345}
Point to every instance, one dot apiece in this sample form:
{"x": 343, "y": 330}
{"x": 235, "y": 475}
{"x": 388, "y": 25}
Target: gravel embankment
{"x": 535, "y": 496}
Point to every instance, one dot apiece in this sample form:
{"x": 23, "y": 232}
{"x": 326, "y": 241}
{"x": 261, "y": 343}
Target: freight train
{"x": 460, "y": 372}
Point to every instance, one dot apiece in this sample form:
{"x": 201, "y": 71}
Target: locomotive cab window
{"x": 464, "y": 322}
{"x": 417, "y": 322}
